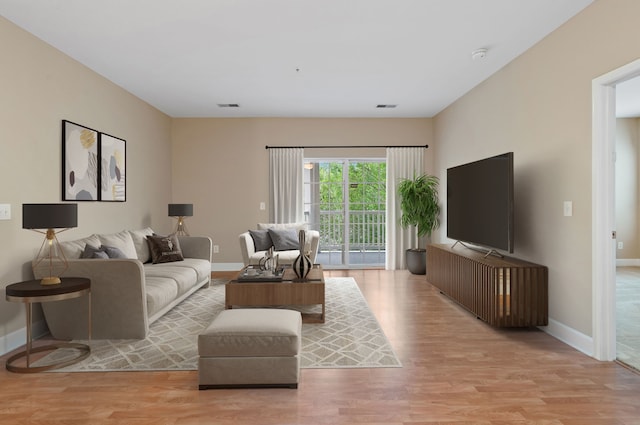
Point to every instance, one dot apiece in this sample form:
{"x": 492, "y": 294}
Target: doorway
{"x": 345, "y": 200}
{"x": 603, "y": 209}
{"x": 627, "y": 201}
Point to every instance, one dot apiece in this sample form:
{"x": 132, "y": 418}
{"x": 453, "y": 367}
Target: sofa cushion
{"x": 160, "y": 291}
{"x": 202, "y": 268}
{"x": 183, "y": 277}
{"x": 284, "y": 257}
{"x": 139, "y": 238}
{"x": 73, "y": 249}
{"x": 122, "y": 241}
{"x": 284, "y": 239}
{"x": 261, "y": 239}
{"x": 164, "y": 249}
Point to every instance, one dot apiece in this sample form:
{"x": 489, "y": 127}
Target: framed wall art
{"x": 79, "y": 162}
{"x": 113, "y": 154}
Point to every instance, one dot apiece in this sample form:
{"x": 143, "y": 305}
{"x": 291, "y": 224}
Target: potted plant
{"x": 420, "y": 208}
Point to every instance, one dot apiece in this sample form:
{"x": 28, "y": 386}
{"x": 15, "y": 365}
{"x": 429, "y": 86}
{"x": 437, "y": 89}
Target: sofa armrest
{"x": 196, "y": 247}
{"x": 118, "y": 301}
{"x": 247, "y": 247}
{"x": 314, "y": 244}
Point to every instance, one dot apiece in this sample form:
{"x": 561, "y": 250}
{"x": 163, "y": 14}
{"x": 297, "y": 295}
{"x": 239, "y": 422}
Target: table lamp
{"x": 180, "y": 211}
{"x": 44, "y": 218}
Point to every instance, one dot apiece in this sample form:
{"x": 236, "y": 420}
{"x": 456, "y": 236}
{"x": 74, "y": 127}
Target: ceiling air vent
{"x": 228, "y": 105}
{"x": 385, "y": 106}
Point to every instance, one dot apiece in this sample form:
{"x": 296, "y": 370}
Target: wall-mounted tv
{"x": 480, "y": 202}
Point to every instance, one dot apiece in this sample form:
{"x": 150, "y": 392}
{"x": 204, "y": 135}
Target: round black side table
{"x": 31, "y": 291}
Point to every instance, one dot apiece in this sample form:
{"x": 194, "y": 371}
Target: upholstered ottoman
{"x": 253, "y": 347}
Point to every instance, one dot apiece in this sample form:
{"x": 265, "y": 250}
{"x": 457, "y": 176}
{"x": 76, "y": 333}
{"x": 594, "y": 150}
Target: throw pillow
{"x": 122, "y": 241}
{"x": 284, "y": 239}
{"x": 139, "y": 238}
{"x": 89, "y": 251}
{"x": 164, "y": 249}
{"x": 74, "y": 249}
{"x": 112, "y": 252}
{"x": 261, "y": 239}
{"x": 100, "y": 254}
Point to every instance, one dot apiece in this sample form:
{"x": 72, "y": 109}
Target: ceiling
{"x": 293, "y": 58}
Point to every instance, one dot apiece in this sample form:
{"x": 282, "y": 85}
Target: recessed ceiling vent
{"x": 385, "y": 106}
{"x": 228, "y": 105}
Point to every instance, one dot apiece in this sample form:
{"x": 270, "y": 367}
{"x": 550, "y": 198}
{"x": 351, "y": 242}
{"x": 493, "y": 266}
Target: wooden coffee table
{"x": 289, "y": 291}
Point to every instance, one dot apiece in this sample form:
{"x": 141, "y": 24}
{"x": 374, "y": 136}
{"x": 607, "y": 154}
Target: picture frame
{"x": 79, "y": 162}
{"x": 112, "y": 178}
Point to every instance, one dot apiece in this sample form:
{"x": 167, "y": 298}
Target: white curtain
{"x": 286, "y": 185}
{"x": 401, "y": 163}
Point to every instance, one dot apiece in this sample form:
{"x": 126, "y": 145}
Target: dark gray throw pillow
{"x": 100, "y": 254}
{"x": 284, "y": 239}
{"x": 261, "y": 239}
{"x": 90, "y": 251}
{"x": 113, "y": 252}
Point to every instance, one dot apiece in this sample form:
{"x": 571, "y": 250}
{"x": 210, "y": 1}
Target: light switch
{"x": 5, "y": 211}
{"x": 568, "y": 208}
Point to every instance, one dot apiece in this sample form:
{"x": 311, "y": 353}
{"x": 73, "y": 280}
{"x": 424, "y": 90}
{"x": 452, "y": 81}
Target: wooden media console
{"x": 504, "y": 292}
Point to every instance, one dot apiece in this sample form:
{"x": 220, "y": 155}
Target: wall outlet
{"x": 263, "y": 206}
{"x": 216, "y": 249}
{"x": 567, "y": 208}
{"x": 620, "y": 245}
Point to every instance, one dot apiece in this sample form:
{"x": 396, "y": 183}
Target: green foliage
{"x": 419, "y": 203}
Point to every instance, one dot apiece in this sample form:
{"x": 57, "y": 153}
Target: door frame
{"x": 603, "y": 241}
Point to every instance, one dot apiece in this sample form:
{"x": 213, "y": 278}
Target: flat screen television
{"x": 480, "y": 202}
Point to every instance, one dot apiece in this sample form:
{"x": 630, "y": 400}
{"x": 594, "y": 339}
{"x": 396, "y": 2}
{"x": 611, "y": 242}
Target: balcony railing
{"x": 366, "y": 230}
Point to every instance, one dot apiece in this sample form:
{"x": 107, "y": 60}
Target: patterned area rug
{"x": 350, "y": 337}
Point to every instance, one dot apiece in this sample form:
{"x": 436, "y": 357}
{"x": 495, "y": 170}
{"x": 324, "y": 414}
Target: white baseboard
{"x": 628, "y": 262}
{"x": 226, "y": 267}
{"x": 570, "y": 336}
{"x": 18, "y": 338}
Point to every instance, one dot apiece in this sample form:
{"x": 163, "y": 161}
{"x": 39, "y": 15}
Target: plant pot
{"x": 416, "y": 260}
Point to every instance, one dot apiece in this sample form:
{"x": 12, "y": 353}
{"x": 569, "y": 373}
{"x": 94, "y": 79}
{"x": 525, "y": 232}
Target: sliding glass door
{"x": 345, "y": 201}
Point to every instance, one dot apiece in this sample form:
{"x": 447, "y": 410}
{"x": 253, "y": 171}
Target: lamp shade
{"x": 49, "y": 216}
{"x": 180, "y": 210}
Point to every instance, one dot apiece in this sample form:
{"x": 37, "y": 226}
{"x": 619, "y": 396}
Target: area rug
{"x": 350, "y": 337}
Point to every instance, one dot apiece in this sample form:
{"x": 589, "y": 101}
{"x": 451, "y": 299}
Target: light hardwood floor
{"x": 456, "y": 370}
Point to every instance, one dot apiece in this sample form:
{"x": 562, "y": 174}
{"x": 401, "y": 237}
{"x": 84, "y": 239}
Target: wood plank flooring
{"x": 456, "y": 370}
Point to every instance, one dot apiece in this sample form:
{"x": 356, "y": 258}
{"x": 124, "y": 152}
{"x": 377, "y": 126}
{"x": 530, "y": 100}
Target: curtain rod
{"x": 343, "y": 147}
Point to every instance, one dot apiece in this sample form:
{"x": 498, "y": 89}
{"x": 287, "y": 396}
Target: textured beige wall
{"x": 222, "y": 166}
{"x": 627, "y": 190}
{"x": 539, "y": 107}
{"x": 39, "y": 87}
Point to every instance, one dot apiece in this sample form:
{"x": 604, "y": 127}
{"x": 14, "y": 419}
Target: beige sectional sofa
{"x": 127, "y": 294}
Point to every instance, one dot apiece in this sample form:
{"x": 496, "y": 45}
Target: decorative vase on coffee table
{"x": 302, "y": 264}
